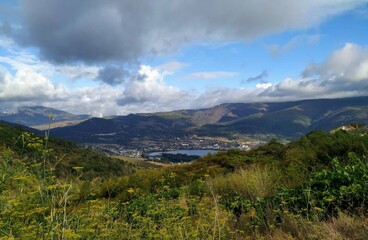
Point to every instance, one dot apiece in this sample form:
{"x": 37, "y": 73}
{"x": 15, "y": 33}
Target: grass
{"x": 252, "y": 183}
{"x": 343, "y": 227}
{"x": 140, "y": 162}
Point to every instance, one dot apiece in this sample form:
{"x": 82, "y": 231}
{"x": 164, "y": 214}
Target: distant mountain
{"x": 285, "y": 119}
{"x": 38, "y": 116}
{"x": 293, "y": 119}
{"x": 134, "y": 128}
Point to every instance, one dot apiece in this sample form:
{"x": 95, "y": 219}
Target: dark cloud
{"x": 129, "y": 100}
{"x": 257, "y": 78}
{"x": 90, "y": 31}
{"x": 96, "y": 31}
{"x": 309, "y": 71}
{"x": 113, "y": 75}
{"x": 5, "y": 28}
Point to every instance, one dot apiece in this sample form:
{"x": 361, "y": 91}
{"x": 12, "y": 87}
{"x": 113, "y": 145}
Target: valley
{"x": 183, "y": 120}
{"x": 187, "y": 143}
{"x": 240, "y": 126}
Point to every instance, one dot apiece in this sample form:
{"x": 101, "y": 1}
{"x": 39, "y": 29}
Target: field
{"x": 142, "y": 162}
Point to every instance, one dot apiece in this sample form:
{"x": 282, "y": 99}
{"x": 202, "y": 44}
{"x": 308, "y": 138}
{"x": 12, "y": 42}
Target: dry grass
{"x": 252, "y": 183}
{"x": 344, "y": 227}
{"x": 140, "y": 162}
{"x": 257, "y": 182}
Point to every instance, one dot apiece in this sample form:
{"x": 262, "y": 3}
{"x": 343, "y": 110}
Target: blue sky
{"x": 120, "y": 57}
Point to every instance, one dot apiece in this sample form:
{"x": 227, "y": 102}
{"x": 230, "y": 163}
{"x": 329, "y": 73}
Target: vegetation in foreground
{"x": 313, "y": 188}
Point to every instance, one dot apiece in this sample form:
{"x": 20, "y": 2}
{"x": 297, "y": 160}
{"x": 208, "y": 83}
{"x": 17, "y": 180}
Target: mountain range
{"x": 230, "y": 120}
{"x": 40, "y": 117}
{"x": 282, "y": 119}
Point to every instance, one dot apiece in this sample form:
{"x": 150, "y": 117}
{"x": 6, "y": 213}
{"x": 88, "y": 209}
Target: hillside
{"x": 312, "y": 188}
{"x": 283, "y": 119}
{"x": 131, "y": 129}
{"x": 292, "y": 119}
{"x": 62, "y": 156}
{"x": 37, "y": 116}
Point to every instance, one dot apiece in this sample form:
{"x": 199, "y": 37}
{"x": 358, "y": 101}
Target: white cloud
{"x": 97, "y": 101}
{"x": 6, "y": 43}
{"x": 28, "y": 88}
{"x": 210, "y": 75}
{"x": 148, "y": 92}
{"x": 170, "y": 68}
{"x": 264, "y": 85}
{"x": 20, "y": 60}
{"x": 26, "y": 85}
{"x": 300, "y": 40}
{"x": 347, "y": 64}
{"x": 76, "y": 71}
{"x": 343, "y": 74}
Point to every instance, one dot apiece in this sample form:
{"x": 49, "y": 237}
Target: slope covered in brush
{"x": 63, "y": 156}
{"x": 312, "y": 188}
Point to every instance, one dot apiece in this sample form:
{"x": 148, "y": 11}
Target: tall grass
{"x": 252, "y": 183}
{"x": 343, "y": 227}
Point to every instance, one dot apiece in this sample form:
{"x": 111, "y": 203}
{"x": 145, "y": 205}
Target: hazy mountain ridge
{"x": 292, "y": 119}
{"x": 39, "y": 115}
{"x": 285, "y": 119}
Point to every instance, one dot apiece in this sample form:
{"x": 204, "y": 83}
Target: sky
{"x": 116, "y": 57}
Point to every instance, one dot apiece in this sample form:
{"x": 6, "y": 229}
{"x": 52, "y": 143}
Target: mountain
{"x": 285, "y": 119}
{"x": 293, "y": 119}
{"x": 38, "y": 116}
{"x": 133, "y": 128}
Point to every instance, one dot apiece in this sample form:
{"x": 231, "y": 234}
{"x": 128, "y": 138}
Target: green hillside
{"x": 63, "y": 156}
{"x": 311, "y": 188}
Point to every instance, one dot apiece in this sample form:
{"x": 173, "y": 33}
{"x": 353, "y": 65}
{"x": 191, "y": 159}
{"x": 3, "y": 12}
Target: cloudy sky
{"x": 122, "y": 56}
